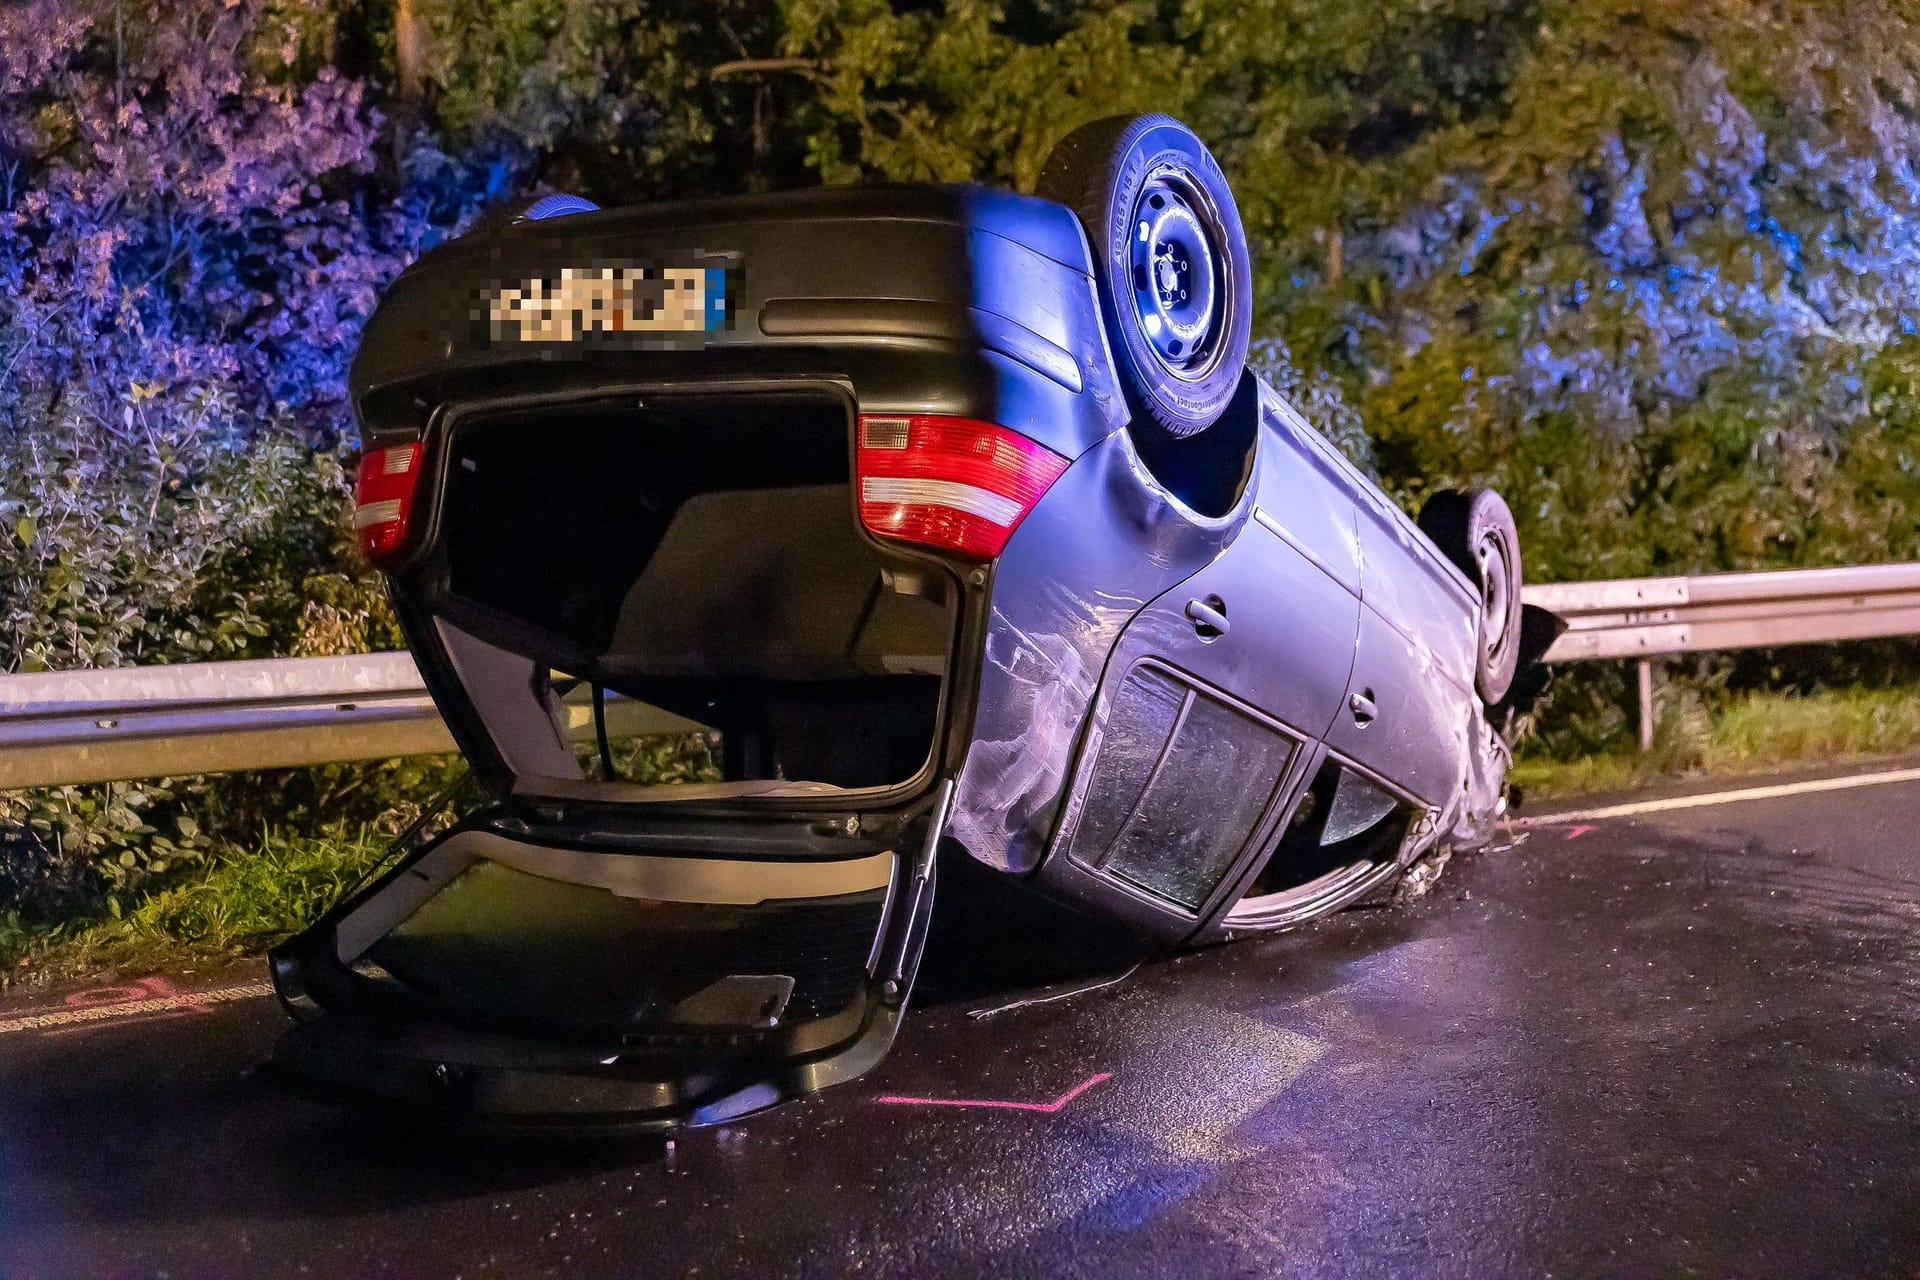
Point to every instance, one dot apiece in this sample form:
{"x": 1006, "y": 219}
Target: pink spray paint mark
{"x": 1574, "y": 833}
{"x": 143, "y": 989}
{"x": 1045, "y": 1108}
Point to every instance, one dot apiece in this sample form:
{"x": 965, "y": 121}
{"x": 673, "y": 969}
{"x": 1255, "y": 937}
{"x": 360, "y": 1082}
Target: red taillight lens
{"x": 383, "y": 498}
{"x": 951, "y": 483}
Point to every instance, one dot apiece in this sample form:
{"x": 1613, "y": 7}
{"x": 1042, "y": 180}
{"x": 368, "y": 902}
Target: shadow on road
{"x": 992, "y": 939}
{"x": 95, "y": 1136}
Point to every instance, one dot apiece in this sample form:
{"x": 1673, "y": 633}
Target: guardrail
{"x": 1644, "y": 618}
{"x": 139, "y": 722}
{"x": 59, "y": 727}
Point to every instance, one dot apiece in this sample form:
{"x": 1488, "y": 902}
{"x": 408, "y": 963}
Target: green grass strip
{"x": 1752, "y": 733}
{"x": 241, "y": 904}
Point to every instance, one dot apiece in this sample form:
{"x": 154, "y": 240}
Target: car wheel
{"x": 1476, "y": 531}
{"x": 1171, "y": 263}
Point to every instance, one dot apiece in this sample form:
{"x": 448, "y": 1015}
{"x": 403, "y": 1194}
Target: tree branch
{"x": 763, "y": 66}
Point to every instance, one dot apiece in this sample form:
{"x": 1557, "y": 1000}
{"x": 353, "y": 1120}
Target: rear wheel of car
{"x": 1476, "y": 531}
{"x": 1171, "y": 262}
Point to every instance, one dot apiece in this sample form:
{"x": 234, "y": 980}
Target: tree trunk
{"x": 410, "y": 49}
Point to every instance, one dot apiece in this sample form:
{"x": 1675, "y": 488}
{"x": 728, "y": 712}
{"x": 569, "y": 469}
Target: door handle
{"x": 1209, "y": 617}
{"x": 1361, "y": 704}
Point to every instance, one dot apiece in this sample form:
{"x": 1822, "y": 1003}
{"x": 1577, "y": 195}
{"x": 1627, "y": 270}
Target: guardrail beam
{"x": 118, "y": 724}
{"x": 137, "y": 722}
{"x": 1644, "y": 617}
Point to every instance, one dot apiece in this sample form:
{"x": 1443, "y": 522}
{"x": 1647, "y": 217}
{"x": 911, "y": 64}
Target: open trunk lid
{"x": 519, "y": 974}
{"x": 709, "y": 706}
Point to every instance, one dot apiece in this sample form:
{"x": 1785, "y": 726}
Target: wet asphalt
{"x": 1686, "y": 1044}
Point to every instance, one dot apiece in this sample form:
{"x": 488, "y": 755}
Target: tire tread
{"x": 1081, "y": 173}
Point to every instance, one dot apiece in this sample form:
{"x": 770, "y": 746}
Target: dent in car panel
{"x": 1057, "y": 611}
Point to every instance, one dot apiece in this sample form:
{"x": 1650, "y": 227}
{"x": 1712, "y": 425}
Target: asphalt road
{"x": 1684, "y": 1043}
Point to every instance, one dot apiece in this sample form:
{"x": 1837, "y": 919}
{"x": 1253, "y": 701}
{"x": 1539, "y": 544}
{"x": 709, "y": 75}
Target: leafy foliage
{"x": 192, "y": 228}
{"x": 619, "y": 100}
{"x": 238, "y": 905}
{"x": 177, "y": 297}
{"x": 1649, "y": 266}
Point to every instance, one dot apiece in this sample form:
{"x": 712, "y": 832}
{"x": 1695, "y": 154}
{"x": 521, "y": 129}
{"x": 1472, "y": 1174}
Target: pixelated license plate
{"x": 585, "y": 301}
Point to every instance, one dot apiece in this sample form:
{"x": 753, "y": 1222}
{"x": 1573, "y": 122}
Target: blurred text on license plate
{"x": 596, "y": 300}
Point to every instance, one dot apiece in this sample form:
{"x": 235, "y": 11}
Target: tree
{"x": 1642, "y": 263}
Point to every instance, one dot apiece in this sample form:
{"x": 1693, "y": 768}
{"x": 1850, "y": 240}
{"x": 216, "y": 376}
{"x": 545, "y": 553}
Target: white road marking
{"x": 131, "y": 1008}
{"x": 1637, "y": 807}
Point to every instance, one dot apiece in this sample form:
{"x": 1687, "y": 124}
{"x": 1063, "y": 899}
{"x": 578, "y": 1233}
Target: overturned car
{"x": 763, "y": 553}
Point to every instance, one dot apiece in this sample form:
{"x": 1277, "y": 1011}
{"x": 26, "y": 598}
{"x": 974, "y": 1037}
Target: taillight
{"x": 383, "y": 498}
{"x": 951, "y": 483}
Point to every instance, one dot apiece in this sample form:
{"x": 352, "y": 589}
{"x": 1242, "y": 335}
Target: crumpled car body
{"x": 669, "y": 517}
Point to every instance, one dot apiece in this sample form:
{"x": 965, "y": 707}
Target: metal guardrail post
{"x": 1643, "y": 678}
{"x": 1645, "y": 618}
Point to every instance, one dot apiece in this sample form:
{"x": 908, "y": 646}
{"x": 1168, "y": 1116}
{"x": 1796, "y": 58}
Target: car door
{"x": 1405, "y": 714}
{"x": 1217, "y": 692}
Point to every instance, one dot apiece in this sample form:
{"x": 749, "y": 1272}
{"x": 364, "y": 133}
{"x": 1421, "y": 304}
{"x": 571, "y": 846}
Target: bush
{"x": 238, "y": 906}
{"x": 186, "y": 253}
{"x": 193, "y": 224}
{"x": 1648, "y": 266}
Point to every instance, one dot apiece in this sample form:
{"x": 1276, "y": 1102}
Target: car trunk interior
{"x": 686, "y": 581}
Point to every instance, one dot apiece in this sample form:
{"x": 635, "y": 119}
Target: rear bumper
{"x": 449, "y": 1077}
{"x": 693, "y": 1037}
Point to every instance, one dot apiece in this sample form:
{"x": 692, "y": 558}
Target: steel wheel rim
{"x": 1178, "y": 270}
{"x": 1495, "y": 593}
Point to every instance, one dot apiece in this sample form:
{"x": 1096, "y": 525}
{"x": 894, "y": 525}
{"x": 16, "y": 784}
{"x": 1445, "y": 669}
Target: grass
{"x": 238, "y": 905}
{"x": 1752, "y": 733}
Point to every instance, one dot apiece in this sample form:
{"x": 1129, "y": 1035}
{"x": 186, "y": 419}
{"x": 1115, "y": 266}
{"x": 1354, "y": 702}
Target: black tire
{"x": 1475, "y": 530}
{"x": 1198, "y": 292}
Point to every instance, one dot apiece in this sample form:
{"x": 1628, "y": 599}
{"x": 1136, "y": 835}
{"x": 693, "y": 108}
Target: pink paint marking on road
{"x": 998, "y": 1104}
{"x": 104, "y": 1006}
{"x": 1574, "y": 833}
{"x": 145, "y": 990}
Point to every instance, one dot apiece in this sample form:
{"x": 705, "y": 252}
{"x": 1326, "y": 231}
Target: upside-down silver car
{"x": 765, "y": 553}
